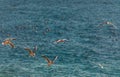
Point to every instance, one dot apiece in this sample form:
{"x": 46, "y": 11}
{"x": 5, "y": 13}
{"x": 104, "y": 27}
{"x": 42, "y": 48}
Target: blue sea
{"x": 91, "y": 51}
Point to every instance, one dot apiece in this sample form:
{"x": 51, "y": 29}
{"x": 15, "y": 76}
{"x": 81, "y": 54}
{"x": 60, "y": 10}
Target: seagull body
{"x": 31, "y": 52}
{"x": 50, "y": 62}
{"x": 60, "y": 40}
{"x": 8, "y": 42}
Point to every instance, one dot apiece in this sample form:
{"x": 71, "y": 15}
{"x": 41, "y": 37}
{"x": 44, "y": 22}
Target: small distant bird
{"x": 101, "y": 66}
{"x": 108, "y": 23}
{"x": 60, "y": 40}
{"x": 46, "y": 30}
{"x": 50, "y": 62}
{"x": 8, "y": 42}
{"x": 31, "y": 52}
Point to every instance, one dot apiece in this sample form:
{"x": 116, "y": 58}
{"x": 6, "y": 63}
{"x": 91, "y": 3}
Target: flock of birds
{"x": 9, "y": 42}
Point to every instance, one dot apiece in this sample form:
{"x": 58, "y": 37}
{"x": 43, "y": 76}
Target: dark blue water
{"x": 90, "y": 52}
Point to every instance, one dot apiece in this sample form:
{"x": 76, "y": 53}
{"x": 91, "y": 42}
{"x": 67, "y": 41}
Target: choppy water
{"x": 88, "y": 49}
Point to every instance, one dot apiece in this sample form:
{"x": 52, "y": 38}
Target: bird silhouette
{"x": 8, "y": 42}
{"x": 50, "y": 62}
{"x": 31, "y": 52}
{"x": 108, "y": 23}
{"x": 60, "y": 40}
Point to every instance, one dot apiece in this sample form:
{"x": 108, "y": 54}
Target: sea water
{"x": 90, "y": 51}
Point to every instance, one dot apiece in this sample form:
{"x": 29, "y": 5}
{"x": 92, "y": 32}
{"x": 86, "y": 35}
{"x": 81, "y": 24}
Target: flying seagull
{"x": 50, "y": 62}
{"x": 101, "y": 66}
{"x": 31, "y": 52}
{"x": 8, "y": 42}
{"x": 60, "y": 40}
{"x": 108, "y": 23}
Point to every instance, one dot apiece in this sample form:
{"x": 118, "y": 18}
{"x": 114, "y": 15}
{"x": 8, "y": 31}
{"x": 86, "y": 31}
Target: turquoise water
{"x": 90, "y": 51}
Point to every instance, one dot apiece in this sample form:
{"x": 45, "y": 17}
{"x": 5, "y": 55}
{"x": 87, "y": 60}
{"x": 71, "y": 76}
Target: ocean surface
{"x": 91, "y": 50}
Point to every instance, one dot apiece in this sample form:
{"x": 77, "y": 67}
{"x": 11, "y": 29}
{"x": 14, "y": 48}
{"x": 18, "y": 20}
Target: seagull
{"x": 109, "y": 23}
{"x": 46, "y": 30}
{"x": 101, "y": 66}
{"x": 8, "y": 42}
{"x": 60, "y": 40}
{"x": 50, "y": 62}
{"x": 31, "y": 52}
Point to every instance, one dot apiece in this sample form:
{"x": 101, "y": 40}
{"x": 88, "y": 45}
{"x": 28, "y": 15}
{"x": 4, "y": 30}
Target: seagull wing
{"x": 13, "y": 38}
{"x": 55, "y": 58}
{"x": 11, "y": 44}
{"x": 29, "y": 50}
{"x": 114, "y": 26}
{"x": 101, "y": 24}
{"x": 46, "y": 58}
{"x": 35, "y": 48}
{"x": 10, "y": 39}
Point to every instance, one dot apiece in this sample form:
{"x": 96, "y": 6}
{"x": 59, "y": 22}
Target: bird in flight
{"x": 50, "y": 62}
{"x": 8, "y": 42}
{"x": 31, "y": 52}
{"x": 60, "y": 40}
{"x": 108, "y": 23}
{"x": 101, "y": 66}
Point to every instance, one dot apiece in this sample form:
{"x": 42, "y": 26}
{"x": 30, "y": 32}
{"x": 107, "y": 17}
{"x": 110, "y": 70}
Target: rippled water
{"x": 90, "y": 51}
